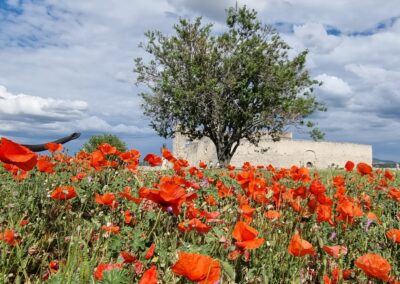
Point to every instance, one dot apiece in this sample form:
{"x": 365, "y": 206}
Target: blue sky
{"x": 66, "y": 66}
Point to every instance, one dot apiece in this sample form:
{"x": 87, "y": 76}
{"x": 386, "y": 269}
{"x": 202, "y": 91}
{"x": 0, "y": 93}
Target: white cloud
{"x": 334, "y": 85}
{"x": 314, "y": 37}
{"x": 30, "y": 114}
{"x": 26, "y": 105}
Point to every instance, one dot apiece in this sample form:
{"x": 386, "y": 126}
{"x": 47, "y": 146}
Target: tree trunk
{"x": 225, "y": 152}
{"x": 224, "y": 159}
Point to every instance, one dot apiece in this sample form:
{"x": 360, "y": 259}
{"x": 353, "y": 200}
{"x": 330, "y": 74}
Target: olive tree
{"x": 235, "y": 85}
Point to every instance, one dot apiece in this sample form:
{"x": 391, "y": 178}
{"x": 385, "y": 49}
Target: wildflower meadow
{"x": 100, "y": 218}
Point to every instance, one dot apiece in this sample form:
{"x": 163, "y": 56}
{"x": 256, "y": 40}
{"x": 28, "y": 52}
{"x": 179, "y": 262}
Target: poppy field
{"x": 100, "y": 218}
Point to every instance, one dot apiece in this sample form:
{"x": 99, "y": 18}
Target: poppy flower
{"x": 128, "y": 217}
{"x": 65, "y": 192}
{"x": 102, "y": 267}
{"x": 300, "y": 247}
{"x": 110, "y": 229}
{"x": 324, "y": 214}
{"x": 193, "y": 224}
{"x": 16, "y": 154}
{"x": 335, "y": 251}
{"x": 272, "y": 214}
{"x": 230, "y": 167}
{"x": 127, "y": 194}
{"x": 394, "y": 194}
{"x": 202, "y": 165}
{"x": 168, "y": 155}
{"x": 45, "y": 166}
{"x": 53, "y": 147}
{"x": 53, "y": 266}
{"x": 150, "y": 251}
{"x": 197, "y": 267}
{"x": 349, "y": 166}
{"x": 170, "y": 195}
{"x": 348, "y": 210}
{"x": 246, "y": 236}
{"x": 364, "y": 169}
{"x": 374, "y": 266}
{"x": 107, "y": 149}
{"x": 127, "y": 257}
{"x": 23, "y": 222}
{"x": 8, "y": 236}
{"x": 394, "y": 235}
{"x": 149, "y": 276}
{"x": 107, "y": 199}
{"x": 153, "y": 160}
{"x": 98, "y": 160}
{"x": 246, "y": 212}
{"x": 372, "y": 217}
{"x": 317, "y": 187}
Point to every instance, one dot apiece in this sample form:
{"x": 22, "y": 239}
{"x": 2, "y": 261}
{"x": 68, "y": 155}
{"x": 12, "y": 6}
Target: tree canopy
{"x": 230, "y": 86}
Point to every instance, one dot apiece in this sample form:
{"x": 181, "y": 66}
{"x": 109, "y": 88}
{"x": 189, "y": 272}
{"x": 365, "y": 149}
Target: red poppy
{"x": 65, "y": 192}
{"x": 45, "y": 166}
{"x": 197, "y": 267}
{"x": 98, "y": 160}
{"x": 335, "y": 251}
{"x": 16, "y": 154}
{"x": 170, "y": 195}
{"x": 300, "y": 247}
{"x": 107, "y": 199}
{"x": 53, "y": 147}
{"x": 8, "y": 236}
{"x": 246, "y": 236}
{"x": 230, "y": 167}
{"x": 246, "y": 212}
{"x": 153, "y": 160}
{"x": 128, "y": 217}
{"x": 372, "y": 216}
{"x": 349, "y": 166}
{"x": 210, "y": 200}
{"x": 324, "y": 214}
{"x": 364, "y": 169}
{"x": 394, "y": 194}
{"x": 374, "y": 266}
{"x": 202, "y": 165}
{"x": 127, "y": 257}
{"x": 348, "y": 210}
{"x": 127, "y": 194}
{"x": 110, "y": 229}
{"x": 168, "y": 155}
{"x": 272, "y": 214}
{"x": 394, "y": 235}
{"x": 150, "y": 251}
{"x": 53, "y": 266}
{"x": 23, "y": 222}
{"x": 149, "y": 276}
{"x": 193, "y": 224}
{"x": 107, "y": 149}
{"x": 98, "y": 271}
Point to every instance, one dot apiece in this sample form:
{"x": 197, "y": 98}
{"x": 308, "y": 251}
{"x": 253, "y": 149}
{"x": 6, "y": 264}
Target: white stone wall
{"x": 285, "y": 153}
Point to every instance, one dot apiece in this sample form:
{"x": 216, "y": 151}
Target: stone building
{"x": 284, "y": 153}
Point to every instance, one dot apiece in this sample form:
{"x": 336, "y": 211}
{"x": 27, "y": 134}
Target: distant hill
{"x": 378, "y": 163}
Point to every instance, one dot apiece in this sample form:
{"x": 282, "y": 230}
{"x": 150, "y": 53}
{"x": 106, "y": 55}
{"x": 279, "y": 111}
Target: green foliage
{"x": 235, "y": 85}
{"x": 96, "y": 140}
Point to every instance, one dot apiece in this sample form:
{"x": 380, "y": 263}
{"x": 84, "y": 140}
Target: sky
{"x": 67, "y": 66}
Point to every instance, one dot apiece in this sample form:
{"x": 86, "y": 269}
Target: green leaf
{"x": 228, "y": 269}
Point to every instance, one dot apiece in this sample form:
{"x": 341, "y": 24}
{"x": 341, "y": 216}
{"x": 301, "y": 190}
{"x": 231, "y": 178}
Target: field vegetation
{"x": 97, "y": 218}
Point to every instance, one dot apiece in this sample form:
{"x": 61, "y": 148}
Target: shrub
{"x": 97, "y": 140}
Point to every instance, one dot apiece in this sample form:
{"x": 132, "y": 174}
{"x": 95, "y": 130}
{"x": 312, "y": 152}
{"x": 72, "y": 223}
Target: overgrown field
{"x": 96, "y": 218}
